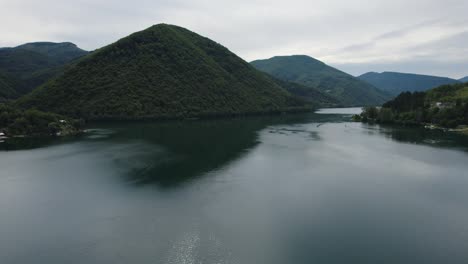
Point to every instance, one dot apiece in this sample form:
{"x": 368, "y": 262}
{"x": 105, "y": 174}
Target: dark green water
{"x": 308, "y": 188}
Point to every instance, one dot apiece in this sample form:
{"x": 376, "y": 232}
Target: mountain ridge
{"x": 32, "y": 64}
{"x": 61, "y": 51}
{"x": 398, "y": 82}
{"x": 315, "y": 74}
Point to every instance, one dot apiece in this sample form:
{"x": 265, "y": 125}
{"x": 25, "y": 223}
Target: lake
{"x": 307, "y": 188}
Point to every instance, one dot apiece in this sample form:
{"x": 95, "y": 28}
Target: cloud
{"x": 338, "y": 32}
{"x": 432, "y": 47}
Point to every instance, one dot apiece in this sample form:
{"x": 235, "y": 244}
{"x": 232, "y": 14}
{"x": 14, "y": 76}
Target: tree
{"x": 385, "y": 115}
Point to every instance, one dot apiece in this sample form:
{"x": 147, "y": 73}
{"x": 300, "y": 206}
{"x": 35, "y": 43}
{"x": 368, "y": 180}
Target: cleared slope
{"x": 164, "y": 71}
{"x": 313, "y": 73}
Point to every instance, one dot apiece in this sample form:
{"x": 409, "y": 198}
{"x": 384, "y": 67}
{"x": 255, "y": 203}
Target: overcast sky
{"x": 356, "y": 36}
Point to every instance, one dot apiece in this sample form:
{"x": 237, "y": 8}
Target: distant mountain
{"x": 396, "y": 82}
{"x": 33, "y": 64}
{"x": 164, "y": 71}
{"x": 465, "y": 79}
{"x": 315, "y": 74}
{"x": 59, "y": 52}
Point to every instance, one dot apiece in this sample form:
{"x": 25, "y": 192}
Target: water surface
{"x": 310, "y": 188}
{"x": 342, "y": 111}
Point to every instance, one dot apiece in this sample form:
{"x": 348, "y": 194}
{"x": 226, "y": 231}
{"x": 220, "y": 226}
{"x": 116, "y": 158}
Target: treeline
{"x": 19, "y": 122}
{"x": 445, "y": 106}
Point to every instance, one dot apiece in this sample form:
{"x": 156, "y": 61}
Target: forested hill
{"x": 58, "y": 52}
{"x": 7, "y": 88}
{"x": 164, "y": 71}
{"x": 30, "y": 65}
{"x": 315, "y": 97}
{"x": 396, "y": 82}
{"x": 446, "y": 106}
{"x": 465, "y": 79}
{"x": 312, "y": 73}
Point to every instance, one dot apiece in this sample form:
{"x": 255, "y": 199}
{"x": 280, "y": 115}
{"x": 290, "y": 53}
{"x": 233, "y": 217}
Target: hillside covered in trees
{"x": 311, "y": 95}
{"x": 314, "y": 74}
{"x": 20, "y": 122}
{"x": 445, "y": 106}
{"x": 396, "y": 82}
{"x": 28, "y": 66}
{"x": 164, "y": 71}
{"x": 7, "y": 88}
{"x": 59, "y": 53}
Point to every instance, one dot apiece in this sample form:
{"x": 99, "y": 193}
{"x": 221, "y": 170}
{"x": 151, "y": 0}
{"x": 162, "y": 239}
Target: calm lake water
{"x": 310, "y": 188}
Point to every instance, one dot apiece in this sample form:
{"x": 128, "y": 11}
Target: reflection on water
{"x": 12, "y": 144}
{"x": 310, "y": 188}
{"x": 170, "y": 153}
{"x": 415, "y": 135}
{"x": 190, "y": 149}
{"x": 340, "y": 111}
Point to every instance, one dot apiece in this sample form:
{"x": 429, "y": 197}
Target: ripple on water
{"x": 99, "y": 133}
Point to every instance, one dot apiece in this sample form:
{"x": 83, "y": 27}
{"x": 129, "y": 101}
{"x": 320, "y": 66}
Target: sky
{"x": 356, "y": 36}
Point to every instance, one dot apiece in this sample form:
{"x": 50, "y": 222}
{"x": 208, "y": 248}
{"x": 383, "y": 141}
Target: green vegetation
{"x": 7, "y": 88}
{"x": 19, "y": 122}
{"x": 396, "y": 83}
{"x": 309, "y": 72}
{"x": 30, "y": 65}
{"x": 60, "y": 53}
{"x": 22, "y": 69}
{"x": 314, "y": 96}
{"x": 445, "y": 106}
{"x": 162, "y": 72}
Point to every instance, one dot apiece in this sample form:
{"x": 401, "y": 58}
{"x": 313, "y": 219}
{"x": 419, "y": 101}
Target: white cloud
{"x": 344, "y": 33}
